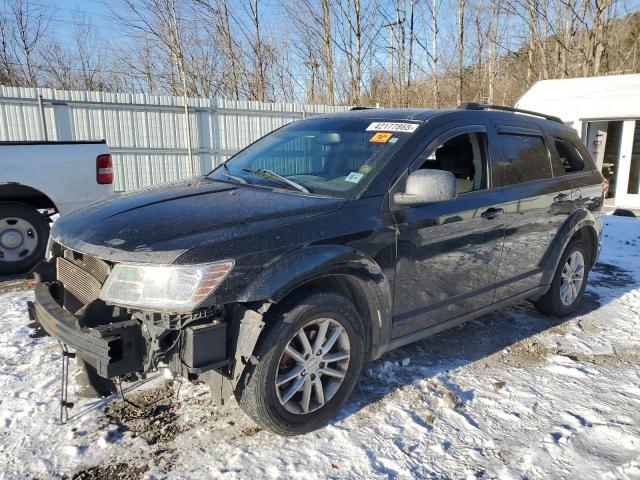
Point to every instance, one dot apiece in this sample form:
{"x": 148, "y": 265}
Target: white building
{"x": 606, "y": 113}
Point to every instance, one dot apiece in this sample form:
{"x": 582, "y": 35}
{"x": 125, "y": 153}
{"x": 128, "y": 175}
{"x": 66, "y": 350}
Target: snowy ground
{"x": 514, "y": 394}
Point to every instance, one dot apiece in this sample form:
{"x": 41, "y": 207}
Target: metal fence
{"x": 147, "y": 134}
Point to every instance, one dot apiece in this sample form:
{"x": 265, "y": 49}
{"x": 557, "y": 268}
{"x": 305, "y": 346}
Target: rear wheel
{"x": 569, "y": 282}
{"x": 305, "y": 367}
{"x": 23, "y": 237}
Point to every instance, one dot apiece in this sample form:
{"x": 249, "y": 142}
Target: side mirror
{"x": 428, "y": 186}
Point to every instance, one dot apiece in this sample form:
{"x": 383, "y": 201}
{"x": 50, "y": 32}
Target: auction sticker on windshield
{"x": 392, "y": 127}
{"x": 381, "y": 137}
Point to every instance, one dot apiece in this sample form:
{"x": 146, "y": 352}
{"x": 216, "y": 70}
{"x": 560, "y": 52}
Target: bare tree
{"x": 460, "y": 48}
{"x": 392, "y": 52}
{"x": 327, "y": 42}
{"x": 596, "y": 37}
{"x": 24, "y": 27}
{"x": 494, "y": 19}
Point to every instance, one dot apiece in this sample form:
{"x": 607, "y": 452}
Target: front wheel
{"x": 305, "y": 367}
{"x": 569, "y": 282}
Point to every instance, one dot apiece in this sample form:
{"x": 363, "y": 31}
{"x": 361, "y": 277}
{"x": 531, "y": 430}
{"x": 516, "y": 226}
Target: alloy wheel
{"x": 312, "y": 366}
{"x": 572, "y": 278}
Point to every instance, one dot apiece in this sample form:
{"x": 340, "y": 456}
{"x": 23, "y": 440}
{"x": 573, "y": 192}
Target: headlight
{"x": 173, "y": 288}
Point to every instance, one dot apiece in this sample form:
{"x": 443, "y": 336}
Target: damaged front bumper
{"x": 214, "y": 342}
{"x": 117, "y": 341}
{"x": 113, "y": 349}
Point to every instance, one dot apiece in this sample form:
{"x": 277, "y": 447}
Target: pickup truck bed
{"x": 38, "y": 179}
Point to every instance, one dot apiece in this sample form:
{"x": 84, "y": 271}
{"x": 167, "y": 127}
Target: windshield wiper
{"x": 263, "y": 172}
{"x": 226, "y": 173}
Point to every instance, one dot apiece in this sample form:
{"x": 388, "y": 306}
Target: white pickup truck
{"x": 39, "y": 179}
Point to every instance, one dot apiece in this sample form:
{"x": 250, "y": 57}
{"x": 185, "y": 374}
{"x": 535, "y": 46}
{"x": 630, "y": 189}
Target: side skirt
{"x": 440, "y": 327}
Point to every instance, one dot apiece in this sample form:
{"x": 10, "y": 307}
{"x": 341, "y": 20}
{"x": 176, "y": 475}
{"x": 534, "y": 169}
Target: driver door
{"x": 449, "y": 252}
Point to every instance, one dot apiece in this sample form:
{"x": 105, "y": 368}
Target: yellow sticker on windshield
{"x": 381, "y": 137}
{"x": 366, "y": 168}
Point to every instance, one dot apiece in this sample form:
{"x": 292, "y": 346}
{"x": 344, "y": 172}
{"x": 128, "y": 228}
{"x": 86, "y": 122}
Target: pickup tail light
{"x": 605, "y": 187}
{"x": 104, "y": 169}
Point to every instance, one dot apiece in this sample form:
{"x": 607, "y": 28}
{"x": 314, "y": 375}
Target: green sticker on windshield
{"x": 354, "y": 177}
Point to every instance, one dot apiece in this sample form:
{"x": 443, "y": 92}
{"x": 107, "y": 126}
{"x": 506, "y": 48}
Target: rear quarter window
{"x": 569, "y": 158}
{"x": 523, "y": 158}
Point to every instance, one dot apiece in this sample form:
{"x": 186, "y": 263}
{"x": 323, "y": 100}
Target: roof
{"x": 420, "y": 114}
{"x": 424, "y": 114}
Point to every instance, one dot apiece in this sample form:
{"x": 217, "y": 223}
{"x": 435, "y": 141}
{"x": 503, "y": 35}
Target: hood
{"x": 157, "y": 225}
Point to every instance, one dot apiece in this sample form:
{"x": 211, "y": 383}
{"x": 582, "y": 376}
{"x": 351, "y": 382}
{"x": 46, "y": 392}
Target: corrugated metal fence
{"x": 147, "y": 134}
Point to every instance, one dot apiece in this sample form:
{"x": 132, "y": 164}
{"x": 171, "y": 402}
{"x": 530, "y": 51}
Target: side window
{"x": 569, "y": 159}
{"x": 464, "y": 156}
{"x": 524, "y": 158}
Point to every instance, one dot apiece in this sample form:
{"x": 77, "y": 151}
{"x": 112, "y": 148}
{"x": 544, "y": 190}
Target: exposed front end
{"x": 120, "y": 339}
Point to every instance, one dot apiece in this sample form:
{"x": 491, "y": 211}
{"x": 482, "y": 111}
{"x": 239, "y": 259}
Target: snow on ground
{"x": 514, "y": 394}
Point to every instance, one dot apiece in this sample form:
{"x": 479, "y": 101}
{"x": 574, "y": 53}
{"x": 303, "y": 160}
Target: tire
{"x": 24, "y": 233}
{"x": 257, "y": 393}
{"x": 552, "y": 302}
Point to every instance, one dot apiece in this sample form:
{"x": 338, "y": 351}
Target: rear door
{"x": 449, "y": 252}
{"x": 535, "y": 203}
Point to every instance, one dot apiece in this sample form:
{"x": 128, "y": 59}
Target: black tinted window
{"x": 524, "y": 158}
{"x": 569, "y": 159}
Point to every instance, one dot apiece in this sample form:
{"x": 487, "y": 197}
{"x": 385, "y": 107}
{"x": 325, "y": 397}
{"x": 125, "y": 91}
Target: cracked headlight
{"x": 164, "y": 288}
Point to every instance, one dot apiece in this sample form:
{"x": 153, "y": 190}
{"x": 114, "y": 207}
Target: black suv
{"x": 321, "y": 246}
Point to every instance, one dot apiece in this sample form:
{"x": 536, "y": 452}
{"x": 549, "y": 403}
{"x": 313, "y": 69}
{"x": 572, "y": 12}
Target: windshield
{"x": 327, "y": 156}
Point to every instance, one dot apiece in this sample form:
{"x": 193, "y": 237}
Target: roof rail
{"x": 484, "y": 106}
{"x": 360, "y": 108}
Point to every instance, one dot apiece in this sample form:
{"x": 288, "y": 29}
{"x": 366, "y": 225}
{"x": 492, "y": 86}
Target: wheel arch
{"x": 338, "y": 269}
{"x": 19, "y": 193}
{"x": 580, "y": 224}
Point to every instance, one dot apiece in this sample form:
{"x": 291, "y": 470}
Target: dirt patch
{"x": 150, "y": 414}
{"x": 529, "y": 352}
{"x": 249, "y": 432}
{"x": 498, "y": 386}
{"x": 165, "y": 459}
{"x": 15, "y": 283}
{"x": 610, "y": 276}
{"x": 588, "y": 326}
{"x": 617, "y": 358}
{"x": 443, "y": 397}
{"x": 122, "y": 471}
{"x": 561, "y": 329}
{"x": 521, "y": 355}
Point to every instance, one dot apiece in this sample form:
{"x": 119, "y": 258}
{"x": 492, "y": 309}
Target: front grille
{"x": 95, "y": 267}
{"x": 82, "y": 277}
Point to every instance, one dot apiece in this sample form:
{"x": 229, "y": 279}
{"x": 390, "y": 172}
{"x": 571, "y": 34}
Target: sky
{"x": 96, "y": 12}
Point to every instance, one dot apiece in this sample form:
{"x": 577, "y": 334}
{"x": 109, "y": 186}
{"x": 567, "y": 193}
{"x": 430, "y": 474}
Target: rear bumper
{"x": 113, "y": 349}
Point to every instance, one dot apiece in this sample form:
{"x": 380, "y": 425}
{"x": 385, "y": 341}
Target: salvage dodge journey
{"x": 321, "y": 246}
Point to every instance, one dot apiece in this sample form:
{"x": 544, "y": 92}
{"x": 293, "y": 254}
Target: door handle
{"x": 492, "y": 213}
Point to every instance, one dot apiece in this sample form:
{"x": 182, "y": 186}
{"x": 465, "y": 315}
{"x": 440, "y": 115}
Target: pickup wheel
{"x": 305, "y": 367}
{"x": 569, "y": 282}
{"x": 23, "y": 237}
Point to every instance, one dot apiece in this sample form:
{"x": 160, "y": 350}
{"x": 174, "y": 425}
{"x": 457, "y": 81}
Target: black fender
{"x": 580, "y": 218}
{"x": 295, "y": 269}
